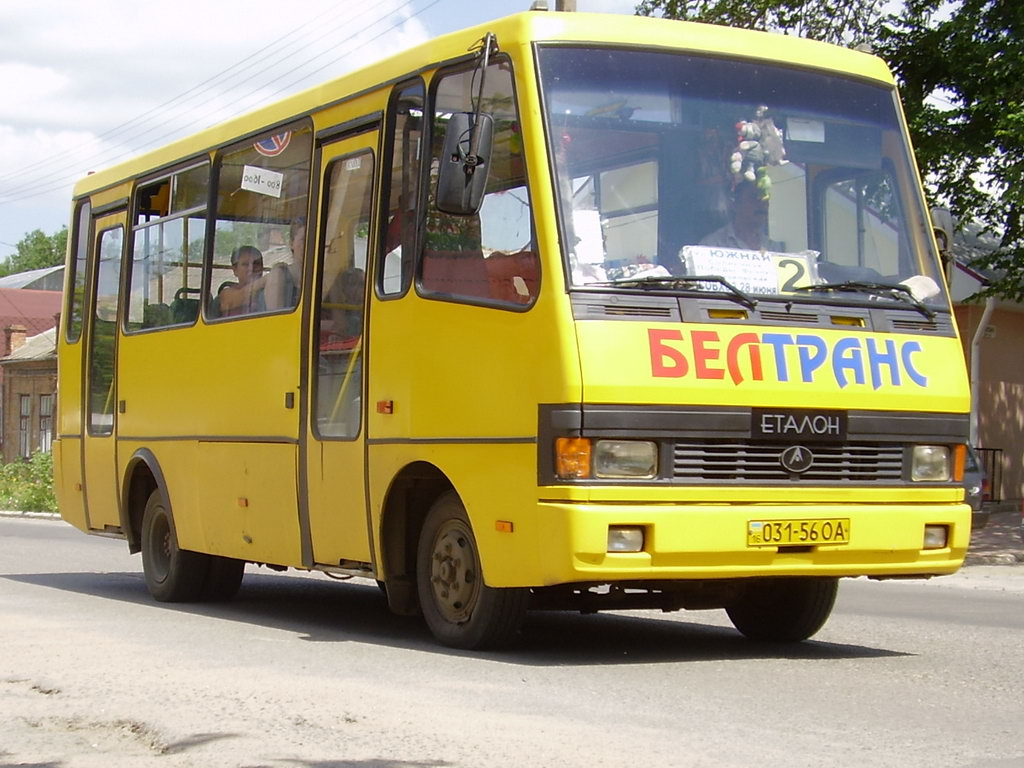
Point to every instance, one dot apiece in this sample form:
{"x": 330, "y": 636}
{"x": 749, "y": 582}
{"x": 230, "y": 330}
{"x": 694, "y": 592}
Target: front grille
{"x": 699, "y": 461}
{"x": 617, "y": 310}
{"x": 788, "y": 318}
{"x": 940, "y": 325}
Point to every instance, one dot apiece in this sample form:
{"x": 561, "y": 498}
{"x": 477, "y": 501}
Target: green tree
{"x": 961, "y": 73}
{"x": 960, "y": 67}
{"x": 845, "y": 22}
{"x": 37, "y": 250}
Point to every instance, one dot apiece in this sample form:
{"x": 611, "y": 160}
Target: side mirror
{"x": 465, "y": 160}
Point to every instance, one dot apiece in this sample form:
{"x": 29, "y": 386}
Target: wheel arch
{"x": 142, "y": 476}
{"x": 412, "y": 492}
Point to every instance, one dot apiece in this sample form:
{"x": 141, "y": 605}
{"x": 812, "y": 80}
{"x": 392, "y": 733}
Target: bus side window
{"x": 261, "y": 202}
{"x": 167, "y": 251}
{"x": 76, "y": 280}
{"x": 488, "y": 257}
{"x": 405, "y": 132}
{"x": 341, "y": 296}
{"x": 103, "y": 334}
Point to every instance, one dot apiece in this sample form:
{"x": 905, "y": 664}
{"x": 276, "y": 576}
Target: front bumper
{"x": 705, "y": 541}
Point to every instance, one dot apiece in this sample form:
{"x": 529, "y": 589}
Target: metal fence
{"x": 992, "y": 461}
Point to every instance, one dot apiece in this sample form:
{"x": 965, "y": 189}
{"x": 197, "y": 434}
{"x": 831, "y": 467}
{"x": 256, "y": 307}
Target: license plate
{"x": 788, "y": 533}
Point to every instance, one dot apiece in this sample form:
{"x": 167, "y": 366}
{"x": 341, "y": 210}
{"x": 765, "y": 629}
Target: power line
{"x": 204, "y": 85}
{"x": 332, "y": 61}
{"x": 57, "y": 179}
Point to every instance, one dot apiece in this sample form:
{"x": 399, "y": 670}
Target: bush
{"x": 27, "y": 486}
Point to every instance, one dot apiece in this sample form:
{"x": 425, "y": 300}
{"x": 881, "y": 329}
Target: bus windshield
{"x": 782, "y": 183}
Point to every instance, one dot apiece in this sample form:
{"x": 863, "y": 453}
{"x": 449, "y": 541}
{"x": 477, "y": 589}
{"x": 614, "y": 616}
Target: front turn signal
{"x": 572, "y": 458}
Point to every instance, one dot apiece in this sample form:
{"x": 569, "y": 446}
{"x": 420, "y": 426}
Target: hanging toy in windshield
{"x": 758, "y": 145}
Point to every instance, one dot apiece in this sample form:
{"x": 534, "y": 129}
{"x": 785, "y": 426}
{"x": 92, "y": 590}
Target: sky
{"x": 86, "y": 85}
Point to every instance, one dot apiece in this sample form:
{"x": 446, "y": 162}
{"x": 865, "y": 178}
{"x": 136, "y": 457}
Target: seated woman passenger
{"x": 246, "y": 295}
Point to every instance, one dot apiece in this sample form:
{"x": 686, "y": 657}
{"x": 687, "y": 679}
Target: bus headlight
{"x": 625, "y": 458}
{"x": 931, "y": 463}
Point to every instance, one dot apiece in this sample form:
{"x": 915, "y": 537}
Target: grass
{"x": 27, "y": 486}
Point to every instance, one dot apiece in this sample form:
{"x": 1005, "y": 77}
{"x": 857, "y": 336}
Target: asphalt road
{"x": 304, "y": 671}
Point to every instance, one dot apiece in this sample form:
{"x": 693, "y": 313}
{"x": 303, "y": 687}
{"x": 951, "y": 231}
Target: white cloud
{"x": 86, "y": 84}
{"x": 28, "y": 85}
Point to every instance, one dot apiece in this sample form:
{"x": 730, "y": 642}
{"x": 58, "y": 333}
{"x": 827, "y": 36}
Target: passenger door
{"x": 335, "y": 453}
{"x": 99, "y": 429}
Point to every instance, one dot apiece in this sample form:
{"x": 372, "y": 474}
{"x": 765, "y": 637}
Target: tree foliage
{"x": 960, "y": 67}
{"x": 36, "y": 250}
{"x": 845, "y": 22}
{"x": 962, "y": 80}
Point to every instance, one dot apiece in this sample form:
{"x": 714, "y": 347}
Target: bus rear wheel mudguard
{"x": 175, "y": 575}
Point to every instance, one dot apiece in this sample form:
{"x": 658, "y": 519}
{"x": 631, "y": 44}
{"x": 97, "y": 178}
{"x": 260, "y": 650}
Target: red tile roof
{"x": 35, "y": 310}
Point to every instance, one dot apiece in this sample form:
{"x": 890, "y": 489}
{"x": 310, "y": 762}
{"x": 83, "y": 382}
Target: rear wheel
{"x": 459, "y": 608}
{"x": 784, "y": 609}
{"x": 223, "y": 578}
{"x": 172, "y": 574}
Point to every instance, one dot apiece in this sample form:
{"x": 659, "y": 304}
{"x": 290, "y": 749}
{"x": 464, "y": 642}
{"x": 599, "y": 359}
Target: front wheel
{"x": 784, "y": 609}
{"x": 462, "y": 611}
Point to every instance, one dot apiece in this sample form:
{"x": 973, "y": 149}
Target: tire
{"x": 784, "y": 609}
{"x": 223, "y": 578}
{"x": 460, "y": 610}
{"x": 173, "y": 575}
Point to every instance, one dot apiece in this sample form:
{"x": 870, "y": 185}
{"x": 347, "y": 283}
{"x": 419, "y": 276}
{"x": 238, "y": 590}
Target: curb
{"x": 36, "y": 515}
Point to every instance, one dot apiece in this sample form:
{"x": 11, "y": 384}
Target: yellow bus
{"x": 566, "y": 311}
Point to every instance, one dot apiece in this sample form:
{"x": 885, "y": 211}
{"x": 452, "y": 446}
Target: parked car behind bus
{"x": 976, "y": 488}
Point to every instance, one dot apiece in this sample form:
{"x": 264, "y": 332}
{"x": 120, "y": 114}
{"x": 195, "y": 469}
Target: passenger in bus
{"x": 748, "y": 225}
{"x": 246, "y": 295}
{"x": 284, "y": 282}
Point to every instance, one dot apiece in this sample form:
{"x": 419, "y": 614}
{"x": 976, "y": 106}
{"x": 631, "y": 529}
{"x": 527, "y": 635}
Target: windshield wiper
{"x": 891, "y": 290}
{"x": 683, "y": 282}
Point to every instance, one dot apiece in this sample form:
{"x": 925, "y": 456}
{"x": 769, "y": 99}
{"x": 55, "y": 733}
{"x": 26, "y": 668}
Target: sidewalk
{"x": 999, "y": 542}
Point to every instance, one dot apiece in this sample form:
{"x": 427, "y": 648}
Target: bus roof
{"x": 511, "y": 31}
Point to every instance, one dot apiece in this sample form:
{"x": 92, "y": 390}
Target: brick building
{"x": 28, "y": 370}
{"x": 29, "y": 390}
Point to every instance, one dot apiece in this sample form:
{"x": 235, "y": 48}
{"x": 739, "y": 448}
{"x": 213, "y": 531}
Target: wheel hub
{"x": 453, "y": 573}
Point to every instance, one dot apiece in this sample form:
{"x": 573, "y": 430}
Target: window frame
{"x": 77, "y": 267}
{"x": 373, "y": 152}
{"x": 133, "y": 228}
{"x": 92, "y": 430}
{"x": 25, "y": 426}
{"x": 385, "y": 172}
{"x": 300, "y": 123}
{"x": 825, "y": 181}
{"x": 463, "y": 67}
{"x": 45, "y": 420}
